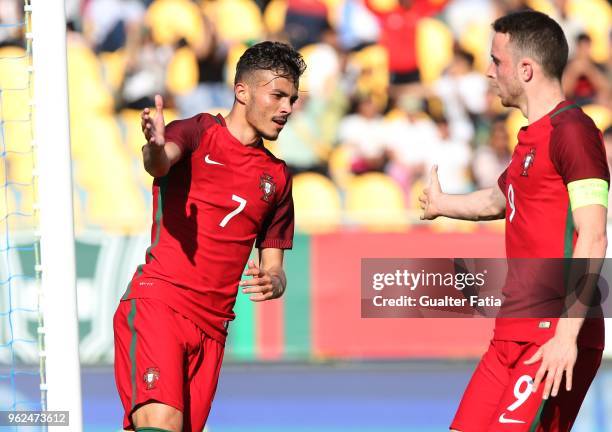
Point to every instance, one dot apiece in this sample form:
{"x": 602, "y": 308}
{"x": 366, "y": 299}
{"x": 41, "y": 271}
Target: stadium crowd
{"x": 392, "y": 87}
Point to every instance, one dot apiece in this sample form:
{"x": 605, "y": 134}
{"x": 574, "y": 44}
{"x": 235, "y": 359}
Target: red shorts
{"x": 499, "y": 396}
{"x": 161, "y": 356}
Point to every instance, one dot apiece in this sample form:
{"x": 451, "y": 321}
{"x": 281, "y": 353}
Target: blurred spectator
{"x": 411, "y": 137}
{"x": 461, "y": 14}
{"x": 112, "y": 24}
{"x": 363, "y": 133}
{"x": 484, "y": 122}
{"x": 492, "y": 159}
{"x": 302, "y": 145}
{"x": 583, "y": 79}
{"x": 145, "y": 72}
{"x": 608, "y": 66}
{"x": 453, "y": 156}
{"x": 212, "y": 91}
{"x": 11, "y": 19}
{"x": 357, "y": 26}
{"x": 398, "y": 36}
{"x": 508, "y": 6}
{"x": 463, "y": 94}
{"x": 570, "y": 25}
{"x": 306, "y": 22}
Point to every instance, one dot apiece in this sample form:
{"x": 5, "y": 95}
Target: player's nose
{"x": 490, "y": 72}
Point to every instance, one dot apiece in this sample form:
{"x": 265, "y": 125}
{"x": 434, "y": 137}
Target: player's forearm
{"x": 587, "y": 260}
{"x": 474, "y": 206}
{"x": 155, "y": 160}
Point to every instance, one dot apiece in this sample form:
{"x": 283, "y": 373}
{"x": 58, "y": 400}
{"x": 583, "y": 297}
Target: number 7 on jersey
{"x": 241, "y": 204}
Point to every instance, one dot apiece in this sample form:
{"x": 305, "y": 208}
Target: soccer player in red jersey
{"x": 553, "y": 196}
{"x": 217, "y": 191}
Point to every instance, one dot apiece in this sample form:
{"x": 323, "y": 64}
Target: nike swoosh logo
{"x": 503, "y": 419}
{"x": 208, "y": 160}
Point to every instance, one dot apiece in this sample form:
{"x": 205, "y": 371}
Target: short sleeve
{"x": 577, "y": 151}
{"x": 186, "y": 133}
{"x": 501, "y": 181}
{"x": 277, "y": 231}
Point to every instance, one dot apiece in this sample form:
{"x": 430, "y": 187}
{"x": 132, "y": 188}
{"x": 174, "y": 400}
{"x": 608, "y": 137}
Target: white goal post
{"x": 52, "y": 146}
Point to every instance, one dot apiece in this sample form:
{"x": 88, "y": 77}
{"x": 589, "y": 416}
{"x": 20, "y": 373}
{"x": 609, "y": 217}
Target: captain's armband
{"x": 587, "y": 192}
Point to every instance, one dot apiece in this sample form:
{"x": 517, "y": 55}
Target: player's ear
{"x": 525, "y": 69}
{"x": 241, "y": 91}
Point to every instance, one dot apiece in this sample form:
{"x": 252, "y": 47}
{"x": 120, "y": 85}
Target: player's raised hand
{"x": 154, "y": 127}
{"x": 263, "y": 286}
{"x": 430, "y": 196}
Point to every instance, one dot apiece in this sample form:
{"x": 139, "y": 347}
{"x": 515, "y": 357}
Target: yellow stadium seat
{"x": 544, "y": 6}
{"x": 97, "y": 146}
{"x": 113, "y": 67}
{"x": 224, "y": 13}
{"x": 13, "y": 68}
{"x": 183, "y": 74}
{"x": 105, "y": 171}
{"x": 333, "y": 10}
{"x": 233, "y": 56}
{"x": 476, "y": 40}
{"x": 317, "y": 203}
{"x": 17, "y": 136}
{"x": 373, "y": 64}
{"x": 172, "y": 20}
{"x": 340, "y": 166}
{"x": 443, "y": 224}
{"x": 601, "y": 115}
{"x": 16, "y": 105}
{"x": 20, "y": 167}
{"x": 383, "y": 6}
{"x": 133, "y": 140}
{"x": 415, "y": 192}
{"x": 596, "y": 15}
{"x": 117, "y": 206}
{"x": 434, "y": 48}
{"x": 15, "y": 81}
{"x": 8, "y": 204}
{"x": 87, "y": 91}
{"x": 274, "y": 16}
{"x": 376, "y": 201}
{"x": 514, "y": 123}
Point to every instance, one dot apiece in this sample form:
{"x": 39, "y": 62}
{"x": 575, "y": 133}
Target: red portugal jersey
{"x": 561, "y": 147}
{"x": 208, "y": 211}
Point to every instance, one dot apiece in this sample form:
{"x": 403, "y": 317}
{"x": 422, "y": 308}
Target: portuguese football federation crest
{"x": 528, "y": 161}
{"x": 267, "y": 186}
{"x": 151, "y": 376}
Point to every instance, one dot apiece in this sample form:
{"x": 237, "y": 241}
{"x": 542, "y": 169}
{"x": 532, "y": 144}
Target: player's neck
{"x": 542, "y": 100}
{"x": 240, "y": 129}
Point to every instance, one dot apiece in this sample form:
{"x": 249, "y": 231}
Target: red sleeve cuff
{"x": 275, "y": 244}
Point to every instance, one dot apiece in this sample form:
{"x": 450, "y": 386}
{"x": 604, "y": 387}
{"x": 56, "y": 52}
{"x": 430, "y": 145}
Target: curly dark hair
{"x": 277, "y": 57}
{"x": 538, "y": 35}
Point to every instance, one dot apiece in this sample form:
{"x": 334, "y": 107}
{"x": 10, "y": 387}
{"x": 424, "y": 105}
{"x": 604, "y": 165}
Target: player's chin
{"x": 271, "y": 135}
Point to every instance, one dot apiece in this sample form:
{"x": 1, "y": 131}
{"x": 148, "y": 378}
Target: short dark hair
{"x": 583, "y": 37}
{"x": 466, "y": 56}
{"x": 538, "y": 35}
{"x": 277, "y": 57}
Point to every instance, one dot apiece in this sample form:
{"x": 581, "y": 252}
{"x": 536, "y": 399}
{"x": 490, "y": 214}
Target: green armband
{"x": 587, "y": 192}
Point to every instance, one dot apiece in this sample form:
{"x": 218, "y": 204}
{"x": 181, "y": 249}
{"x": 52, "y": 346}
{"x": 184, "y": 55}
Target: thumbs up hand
{"x": 431, "y": 195}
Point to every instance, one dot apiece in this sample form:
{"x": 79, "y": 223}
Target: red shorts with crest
{"x": 161, "y": 356}
{"x": 499, "y": 396}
